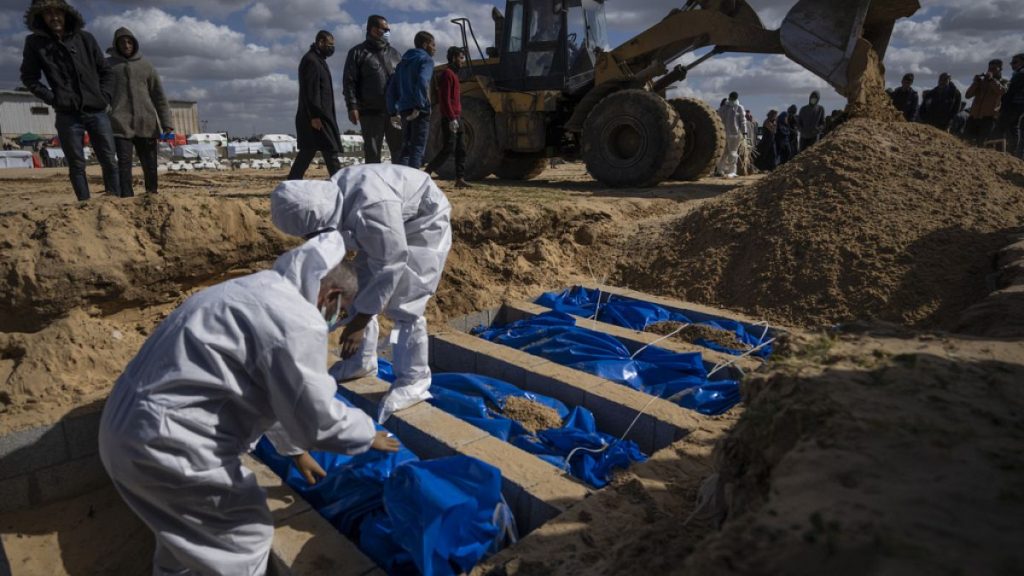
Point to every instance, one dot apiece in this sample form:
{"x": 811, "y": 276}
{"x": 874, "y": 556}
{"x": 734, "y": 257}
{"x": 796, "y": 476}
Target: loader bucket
{"x": 823, "y": 35}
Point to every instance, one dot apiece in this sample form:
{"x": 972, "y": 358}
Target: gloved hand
{"x": 401, "y": 398}
{"x": 396, "y": 122}
{"x": 454, "y": 125}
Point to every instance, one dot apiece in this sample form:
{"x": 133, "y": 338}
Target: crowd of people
{"x": 994, "y": 117}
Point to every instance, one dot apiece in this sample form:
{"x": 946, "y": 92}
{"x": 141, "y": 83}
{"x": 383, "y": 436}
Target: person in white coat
{"x": 398, "y": 221}
{"x": 734, "y": 118}
{"x": 235, "y": 361}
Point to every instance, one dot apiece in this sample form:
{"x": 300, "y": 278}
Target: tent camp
{"x": 244, "y": 149}
{"x": 351, "y": 144}
{"x": 15, "y": 159}
{"x": 277, "y": 144}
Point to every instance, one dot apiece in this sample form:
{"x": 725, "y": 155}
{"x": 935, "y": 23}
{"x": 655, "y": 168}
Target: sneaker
{"x": 460, "y": 183}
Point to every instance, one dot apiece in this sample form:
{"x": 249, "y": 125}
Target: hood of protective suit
{"x": 73, "y": 21}
{"x": 307, "y": 265}
{"x": 301, "y": 207}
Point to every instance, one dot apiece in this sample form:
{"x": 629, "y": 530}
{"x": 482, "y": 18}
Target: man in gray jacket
{"x": 811, "y": 121}
{"x": 139, "y": 111}
{"x": 367, "y": 69}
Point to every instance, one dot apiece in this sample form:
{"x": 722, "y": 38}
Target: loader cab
{"x": 551, "y": 44}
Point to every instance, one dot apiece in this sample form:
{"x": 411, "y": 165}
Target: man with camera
{"x": 987, "y": 90}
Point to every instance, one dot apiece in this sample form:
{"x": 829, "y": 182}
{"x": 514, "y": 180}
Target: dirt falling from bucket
{"x": 532, "y": 415}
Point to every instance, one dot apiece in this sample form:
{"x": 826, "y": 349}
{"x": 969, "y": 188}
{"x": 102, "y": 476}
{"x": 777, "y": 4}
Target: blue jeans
{"x": 71, "y": 128}
{"x": 414, "y": 139}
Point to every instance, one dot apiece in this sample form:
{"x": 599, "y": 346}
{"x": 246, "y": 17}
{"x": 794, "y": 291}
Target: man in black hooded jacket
{"x": 78, "y": 86}
{"x": 316, "y": 123}
{"x": 368, "y": 68}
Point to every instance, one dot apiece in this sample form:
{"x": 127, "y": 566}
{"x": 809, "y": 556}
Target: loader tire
{"x": 483, "y": 156}
{"x": 704, "y": 142}
{"x": 521, "y": 167}
{"x": 632, "y": 138}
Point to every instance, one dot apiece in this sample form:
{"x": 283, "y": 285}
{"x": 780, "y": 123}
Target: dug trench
{"x": 843, "y": 457}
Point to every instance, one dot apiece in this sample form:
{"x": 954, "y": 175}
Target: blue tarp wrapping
{"x": 402, "y": 510}
{"x": 638, "y": 315}
{"x": 479, "y": 400}
{"x": 555, "y": 337}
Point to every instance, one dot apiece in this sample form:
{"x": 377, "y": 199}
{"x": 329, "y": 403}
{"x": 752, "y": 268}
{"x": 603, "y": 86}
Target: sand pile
{"x": 891, "y": 221}
{"x": 907, "y": 464}
{"x": 532, "y": 415}
{"x": 693, "y": 332}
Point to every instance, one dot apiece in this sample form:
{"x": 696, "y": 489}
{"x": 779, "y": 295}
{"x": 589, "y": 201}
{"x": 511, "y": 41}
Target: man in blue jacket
{"x": 78, "y": 85}
{"x": 409, "y": 96}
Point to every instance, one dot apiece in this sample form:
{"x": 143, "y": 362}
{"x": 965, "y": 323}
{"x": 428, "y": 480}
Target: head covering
{"x": 908, "y": 77}
{"x": 73, "y": 21}
{"x": 301, "y": 207}
{"x": 307, "y": 265}
{"x": 126, "y": 33}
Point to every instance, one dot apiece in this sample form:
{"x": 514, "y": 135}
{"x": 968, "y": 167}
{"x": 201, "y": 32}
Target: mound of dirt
{"x": 116, "y": 253}
{"x": 693, "y": 332}
{"x": 532, "y": 415}
{"x": 889, "y": 221}
{"x": 907, "y": 464}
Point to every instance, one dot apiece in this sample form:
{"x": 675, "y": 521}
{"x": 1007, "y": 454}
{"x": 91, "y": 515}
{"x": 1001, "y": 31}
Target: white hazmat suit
{"x": 398, "y": 220}
{"x": 235, "y": 361}
{"x": 734, "y": 118}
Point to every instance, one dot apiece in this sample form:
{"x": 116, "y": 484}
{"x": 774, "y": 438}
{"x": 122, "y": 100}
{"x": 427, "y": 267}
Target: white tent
{"x": 279, "y": 148}
{"x": 201, "y": 151}
{"x": 244, "y": 148}
{"x": 219, "y": 140}
{"x": 15, "y": 159}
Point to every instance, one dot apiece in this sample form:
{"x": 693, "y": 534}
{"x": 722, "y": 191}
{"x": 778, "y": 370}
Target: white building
{"x": 21, "y": 112}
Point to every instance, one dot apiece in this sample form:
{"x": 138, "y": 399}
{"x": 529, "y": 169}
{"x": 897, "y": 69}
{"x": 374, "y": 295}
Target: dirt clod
{"x": 693, "y": 332}
{"x": 532, "y": 415}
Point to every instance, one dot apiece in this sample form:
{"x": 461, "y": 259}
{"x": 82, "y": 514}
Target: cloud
{"x": 206, "y": 8}
{"x": 302, "y": 18}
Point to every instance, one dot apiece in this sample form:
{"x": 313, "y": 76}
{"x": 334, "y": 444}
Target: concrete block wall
{"x": 49, "y": 463}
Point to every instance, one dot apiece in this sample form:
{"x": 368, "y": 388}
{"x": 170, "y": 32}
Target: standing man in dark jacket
{"x": 905, "y": 98}
{"x": 941, "y": 103}
{"x": 368, "y": 68}
{"x": 812, "y": 121}
{"x": 1012, "y": 109}
{"x": 449, "y": 95}
{"x": 987, "y": 90}
{"x": 79, "y": 87}
{"x": 139, "y": 112}
{"x": 409, "y": 96}
{"x": 316, "y": 123}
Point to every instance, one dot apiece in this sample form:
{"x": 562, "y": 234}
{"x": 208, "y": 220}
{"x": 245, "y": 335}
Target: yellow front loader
{"x": 551, "y": 87}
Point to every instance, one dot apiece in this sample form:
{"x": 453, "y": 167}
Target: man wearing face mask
{"x": 368, "y": 68}
{"x": 316, "y": 123}
{"x": 734, "y": 117}
{"x": 987, "y": 90}
{"x": 811, "y": 120}
{"x": 1013, "y": 107}
{"x": 941, "y": 103}
{"x": 238, "y": 360}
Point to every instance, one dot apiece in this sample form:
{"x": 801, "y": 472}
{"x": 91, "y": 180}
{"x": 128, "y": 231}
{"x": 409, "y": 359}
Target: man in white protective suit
{"x": 398, "y": 221}
{"x": 734, "y": 118}
{"x": 235, "y": 361}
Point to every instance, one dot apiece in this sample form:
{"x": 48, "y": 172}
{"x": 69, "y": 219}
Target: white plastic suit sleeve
{"x": 380, "y": 234}
{"x": 301, "y": 394}
{"x": 282, "y": 443}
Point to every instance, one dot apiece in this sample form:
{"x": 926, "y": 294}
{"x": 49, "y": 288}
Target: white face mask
{"x": 387, "y": 35}
{"x": 333, "y": 320}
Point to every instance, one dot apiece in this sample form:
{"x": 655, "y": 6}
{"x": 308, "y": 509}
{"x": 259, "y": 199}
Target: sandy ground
{"x": 874, "y": 448}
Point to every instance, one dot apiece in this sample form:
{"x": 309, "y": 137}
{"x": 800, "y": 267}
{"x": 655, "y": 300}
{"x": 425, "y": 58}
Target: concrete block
{"x": 615, "y": 411}
{"x": 310, "y": 546}
{"x": 281, "y": 499}
{"x": 451, "y": 352}
{"x": 82, "y": 434}
{"x": 30, "y": 450}
{"x": 14, "y": 494}
{"x": 666, "y": 434}
{"x": 565, "y": 384}
{"x": 364, "y": 393}
{"x": 433, "y": 433}
{"x": 67, "y": 480}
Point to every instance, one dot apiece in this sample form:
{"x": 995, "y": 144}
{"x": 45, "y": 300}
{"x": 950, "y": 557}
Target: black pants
{"x": 452, "y": 141}
{"x": 305, "y": 157}
{"x": 146, "y": 149}
{"x": 376, "y": 127}
{"x": 978, "y": 130}
{"x": 806, "y": 143}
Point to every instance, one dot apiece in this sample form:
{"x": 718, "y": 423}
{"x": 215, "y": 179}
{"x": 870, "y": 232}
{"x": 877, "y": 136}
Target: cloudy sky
{"x": 238, "y": 58}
